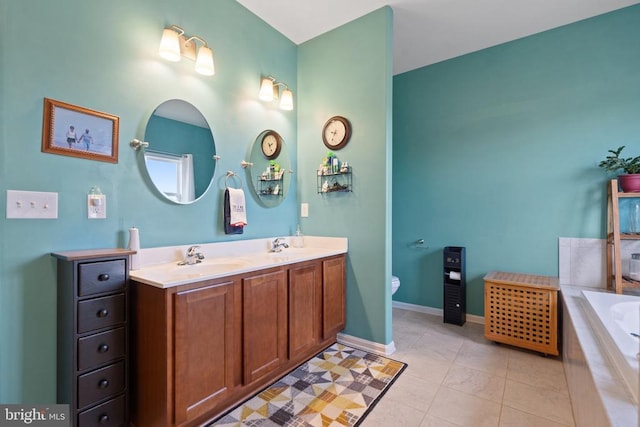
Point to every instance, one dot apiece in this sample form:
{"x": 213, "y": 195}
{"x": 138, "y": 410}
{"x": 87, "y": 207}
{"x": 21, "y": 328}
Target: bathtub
{"x": 616, "y": 318}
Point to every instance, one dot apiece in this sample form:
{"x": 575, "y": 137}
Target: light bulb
{"x": 266, "y": 90}
{"x": 204, "y": 61}
{"x": 286, "y": 103}
{"x": 170, "y": 45}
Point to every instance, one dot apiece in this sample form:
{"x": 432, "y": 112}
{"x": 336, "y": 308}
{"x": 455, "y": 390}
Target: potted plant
{"x": 630, "y": 180}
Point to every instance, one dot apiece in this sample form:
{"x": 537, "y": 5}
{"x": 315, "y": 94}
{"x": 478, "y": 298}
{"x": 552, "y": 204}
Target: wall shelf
{"x": 340, "y": 182}
{"x": 270, "y": 187}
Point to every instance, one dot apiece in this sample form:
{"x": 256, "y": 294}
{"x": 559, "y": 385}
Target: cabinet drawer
{"x": 101, "y": 348}
{"x": 99, "y": 313}
{"x": 98, "y": 277}
{"x": 108, "y": 414}
{"x": 100, "y": 384}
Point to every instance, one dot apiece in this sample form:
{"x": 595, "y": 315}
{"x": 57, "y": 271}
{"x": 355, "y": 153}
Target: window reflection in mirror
{"x": 179, "y": 158}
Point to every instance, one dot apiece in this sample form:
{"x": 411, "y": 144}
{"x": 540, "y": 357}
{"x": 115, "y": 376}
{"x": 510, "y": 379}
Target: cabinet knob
{"x": 103, "y": 383}
{"x": 102, "y": 313}
{"x": 458, "y": 305}
{"x": 103, "y": 277}
{"x": 104, "y": 418}
{"x": 103, "y": 348}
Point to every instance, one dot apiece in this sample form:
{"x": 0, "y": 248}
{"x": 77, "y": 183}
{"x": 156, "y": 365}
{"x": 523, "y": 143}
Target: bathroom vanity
{"x": 212, "y": 335}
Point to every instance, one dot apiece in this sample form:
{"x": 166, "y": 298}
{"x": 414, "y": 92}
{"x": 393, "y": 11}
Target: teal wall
{"x": 103, "y": 56}
{"x": 498, "y": 151}
{"x": 347, "y": 72}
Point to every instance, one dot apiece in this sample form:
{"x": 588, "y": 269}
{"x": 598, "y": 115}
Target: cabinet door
{"x": 333, "y": 296}
{"x": 265, "y": 324}
{"x": 205, "y": 333}
{"x": 305, "y": 293}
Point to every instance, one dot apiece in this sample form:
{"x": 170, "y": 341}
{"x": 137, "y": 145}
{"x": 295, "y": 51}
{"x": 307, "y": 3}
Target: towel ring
{"x": 231, "y": 174}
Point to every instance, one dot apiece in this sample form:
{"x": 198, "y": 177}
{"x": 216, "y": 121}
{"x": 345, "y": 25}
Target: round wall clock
{"x": 271, "y": 144}
{"x": 336, "y": 132}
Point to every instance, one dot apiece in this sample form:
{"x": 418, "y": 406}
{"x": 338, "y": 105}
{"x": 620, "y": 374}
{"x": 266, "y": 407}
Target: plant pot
{"x": 630, "y": 182}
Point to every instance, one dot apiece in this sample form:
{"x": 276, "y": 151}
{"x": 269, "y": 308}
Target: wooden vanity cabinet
{"x": 264, "y": 332}
{"x": 201, "y": 348}
{"x": 333, "y": 296}
{"x": 305, "y": 308}
{"x": 187, "y": 350}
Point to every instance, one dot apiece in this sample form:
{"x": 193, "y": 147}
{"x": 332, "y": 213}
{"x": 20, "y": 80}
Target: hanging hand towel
{"x": 235, "y": 217}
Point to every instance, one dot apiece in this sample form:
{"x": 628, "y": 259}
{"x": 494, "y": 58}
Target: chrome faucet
{"x": 192, "y": 257}
{"x": 278, "y": 244}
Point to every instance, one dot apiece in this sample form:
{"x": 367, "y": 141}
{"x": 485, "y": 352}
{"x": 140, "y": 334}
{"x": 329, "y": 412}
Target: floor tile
{"x": 514, "y": 418}
{"x": 533, "y": 369}
{"x": 476, "y": 383}
{"x": 430, "y": 421}
{"x": 538, "y": 401}
{"x": 412, "y": 391}
{"x": 392, "y": 413}
{"x": 464, "y": 410}
{"x": 487, "y": 357}
{"x": 425, "y": 367}
{"x": 455, "y": 377}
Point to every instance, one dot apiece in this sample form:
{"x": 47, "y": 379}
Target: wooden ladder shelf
{"x": 615, "y": 280}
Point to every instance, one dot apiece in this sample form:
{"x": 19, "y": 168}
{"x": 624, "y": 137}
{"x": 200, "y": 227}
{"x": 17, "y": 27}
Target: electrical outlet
{"x": 304, "y": 210}
{"x": 96, "y": 206}
{"x": 32, "y": 204}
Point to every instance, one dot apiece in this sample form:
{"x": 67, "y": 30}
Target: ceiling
{"x": 430, "y": 31}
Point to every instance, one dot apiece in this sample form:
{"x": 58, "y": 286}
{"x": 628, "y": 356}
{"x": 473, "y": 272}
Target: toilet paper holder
{"x": 419, "y": 244}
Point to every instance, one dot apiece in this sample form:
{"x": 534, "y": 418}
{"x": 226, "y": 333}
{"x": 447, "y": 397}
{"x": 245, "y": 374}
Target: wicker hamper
{"x": 522, "y": 310}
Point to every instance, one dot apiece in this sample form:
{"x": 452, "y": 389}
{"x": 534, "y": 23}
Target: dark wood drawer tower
{"x": 93, "y": 336}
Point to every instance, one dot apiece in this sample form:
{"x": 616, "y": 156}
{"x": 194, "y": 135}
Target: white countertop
{"x": 159, "y": 266}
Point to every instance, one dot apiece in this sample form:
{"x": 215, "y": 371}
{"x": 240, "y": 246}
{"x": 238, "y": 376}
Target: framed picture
{"x": 79, "y": 132}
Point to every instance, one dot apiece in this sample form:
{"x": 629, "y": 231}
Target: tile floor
{"x": 457, "y": 378}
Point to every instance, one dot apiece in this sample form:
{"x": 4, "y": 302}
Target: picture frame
{"x": 70, "y": 130}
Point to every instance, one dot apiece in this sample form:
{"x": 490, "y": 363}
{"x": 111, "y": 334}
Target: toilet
{"x": 395, "y": 284}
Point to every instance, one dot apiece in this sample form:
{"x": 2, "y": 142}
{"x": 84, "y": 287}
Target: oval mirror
{"x": 179, "y": 158}
{"x": 270, "y": 178}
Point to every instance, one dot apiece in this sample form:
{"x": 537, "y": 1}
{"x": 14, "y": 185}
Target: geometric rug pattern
{"x": 337, "y": 387}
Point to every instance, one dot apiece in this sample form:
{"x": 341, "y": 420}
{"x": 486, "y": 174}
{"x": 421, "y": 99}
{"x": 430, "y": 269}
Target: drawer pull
{"x": 103, "y": 277}
{"x": 103, "y": 348}
{"x": 104, "y": 418}
{"x": 102, "y": 313}
{"x": 103, "y": 383}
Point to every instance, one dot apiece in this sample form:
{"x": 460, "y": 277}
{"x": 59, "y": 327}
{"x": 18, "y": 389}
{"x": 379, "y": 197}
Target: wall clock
{"x": 271, "y": 144}
{"x": 336, "y": 132}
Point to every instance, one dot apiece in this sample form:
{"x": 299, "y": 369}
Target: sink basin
{"x": 176, "y": 274}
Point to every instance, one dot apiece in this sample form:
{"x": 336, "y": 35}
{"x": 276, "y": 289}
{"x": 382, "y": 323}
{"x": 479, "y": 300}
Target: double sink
{"x": 227, "y": 258}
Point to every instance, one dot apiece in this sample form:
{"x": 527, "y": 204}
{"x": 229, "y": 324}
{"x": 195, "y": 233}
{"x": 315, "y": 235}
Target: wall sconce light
{"x": 269, "y": 91}
{"x": 175, "y": 44}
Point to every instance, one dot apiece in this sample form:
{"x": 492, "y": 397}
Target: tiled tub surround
{"x": 583, "y": 262}
{"x": 598, "y": 393}
{"x": 615, "y": 319}
{"x": 159, "y": 266}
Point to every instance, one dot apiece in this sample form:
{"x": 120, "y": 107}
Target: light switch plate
{"x": 32, "y": 205}
{"x": 96, "y": 206}
{"x": 304, "y": 210}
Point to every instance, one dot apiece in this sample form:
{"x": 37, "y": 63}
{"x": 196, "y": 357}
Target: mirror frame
{"x": 257, "y": 172}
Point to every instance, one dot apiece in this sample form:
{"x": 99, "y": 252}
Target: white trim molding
{"x": 472, "y": 318}
{"x": 366, "y": 345}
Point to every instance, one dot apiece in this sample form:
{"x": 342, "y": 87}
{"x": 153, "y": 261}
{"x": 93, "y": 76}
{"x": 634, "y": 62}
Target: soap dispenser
{"x": 298, "y": 239}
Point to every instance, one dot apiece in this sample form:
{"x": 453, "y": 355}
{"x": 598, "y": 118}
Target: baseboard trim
{"x": 366, "y": 345}
{"x": 472, "y": 318}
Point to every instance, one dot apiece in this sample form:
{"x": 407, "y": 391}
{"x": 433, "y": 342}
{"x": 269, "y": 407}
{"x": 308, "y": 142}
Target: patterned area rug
{"x": 337, "y": 387}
